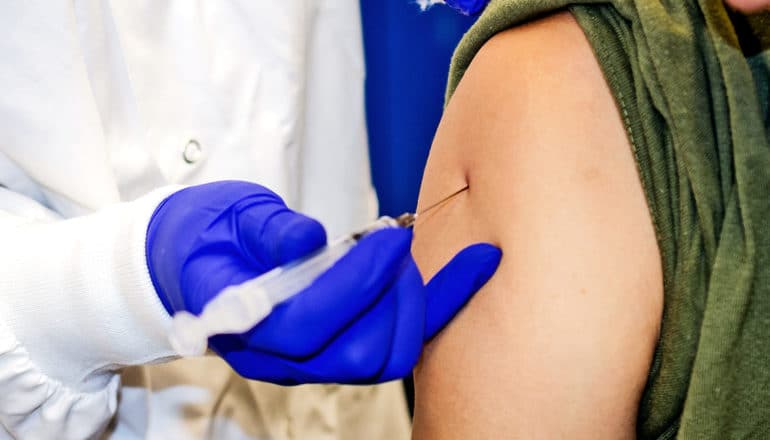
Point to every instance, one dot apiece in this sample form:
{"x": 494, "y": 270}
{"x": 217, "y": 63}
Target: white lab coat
{"x": 105, "y": 106}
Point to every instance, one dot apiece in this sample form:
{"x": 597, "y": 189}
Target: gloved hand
{"x": 363, "y": 321}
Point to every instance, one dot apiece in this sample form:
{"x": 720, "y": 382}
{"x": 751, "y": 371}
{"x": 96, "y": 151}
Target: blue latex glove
{"x": 363, "y": 321}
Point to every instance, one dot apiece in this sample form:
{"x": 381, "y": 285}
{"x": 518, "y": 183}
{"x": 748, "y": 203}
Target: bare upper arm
{"x": 559, "y": 342}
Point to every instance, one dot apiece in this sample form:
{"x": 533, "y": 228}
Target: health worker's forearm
{"x": 76, "y": 304}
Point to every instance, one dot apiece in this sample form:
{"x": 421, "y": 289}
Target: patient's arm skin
{"x": 749, "y": 5}
{"x": 559, "y": 343}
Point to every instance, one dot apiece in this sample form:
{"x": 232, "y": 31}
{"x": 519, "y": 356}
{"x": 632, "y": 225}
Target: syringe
{"x": 239, "y": 308}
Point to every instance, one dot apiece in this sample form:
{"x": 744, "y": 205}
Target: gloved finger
{"x": 409, "y": 324}
{"x": 456, "y": 283}
{"x": 273, "y": 234}
{"x": 357, "y": 355}
{"x": 192, "y": 222}
{"x": 256, "y": 365}
{"x": 360, "y": 352}
{"x": 208, "y": 274}
{"x": 305, "y": 323}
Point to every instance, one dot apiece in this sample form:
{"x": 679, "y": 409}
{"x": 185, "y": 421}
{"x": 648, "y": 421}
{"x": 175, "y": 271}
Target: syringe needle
{"x": 407, "y": 220}
{"x": 441, "y": 202}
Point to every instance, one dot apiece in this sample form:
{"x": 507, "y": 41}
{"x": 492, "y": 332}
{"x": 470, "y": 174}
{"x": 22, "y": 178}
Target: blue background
{"x": 407, "y": 59}
{"x": 407, "y": 62}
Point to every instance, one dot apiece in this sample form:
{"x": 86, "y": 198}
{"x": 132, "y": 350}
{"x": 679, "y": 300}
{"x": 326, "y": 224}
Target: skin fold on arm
{"x": 559, "y": 343}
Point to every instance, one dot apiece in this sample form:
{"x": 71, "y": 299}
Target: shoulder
{"x": 532, "y": 121}
{"x": 533, "y": 129}
{"x": 534, "y": 55}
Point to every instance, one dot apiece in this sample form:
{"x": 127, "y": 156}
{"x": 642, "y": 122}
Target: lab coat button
{"x": 192, "y": 151}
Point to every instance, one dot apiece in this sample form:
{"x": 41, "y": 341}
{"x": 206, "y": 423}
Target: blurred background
{"x": 407, "y": 61}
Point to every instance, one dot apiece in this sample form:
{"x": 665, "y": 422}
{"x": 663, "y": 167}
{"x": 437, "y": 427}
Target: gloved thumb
{"x": 281, "y": 237}
{"x": 456, "y": 283}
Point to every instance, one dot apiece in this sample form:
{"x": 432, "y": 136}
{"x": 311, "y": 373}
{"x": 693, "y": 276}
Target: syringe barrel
{"x": 283, "y": 282}
{"x": 239, "y": 308}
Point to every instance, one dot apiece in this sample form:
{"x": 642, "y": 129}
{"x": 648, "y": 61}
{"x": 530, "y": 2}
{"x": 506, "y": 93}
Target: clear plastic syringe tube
{"x": 239, "y": 308}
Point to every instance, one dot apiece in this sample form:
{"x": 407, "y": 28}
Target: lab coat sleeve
{"x": 76, "y": 305}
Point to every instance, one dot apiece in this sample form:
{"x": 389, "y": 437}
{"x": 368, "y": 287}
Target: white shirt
{"x": 105, "y": 106}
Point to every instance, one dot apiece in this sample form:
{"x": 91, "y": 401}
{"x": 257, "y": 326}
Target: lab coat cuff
{"x": 78, "y": 294}
{"x": 34, "y": 405}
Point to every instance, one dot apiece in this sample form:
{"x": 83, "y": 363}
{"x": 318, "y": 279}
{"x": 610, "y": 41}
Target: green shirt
{"x": 691, "y": 82}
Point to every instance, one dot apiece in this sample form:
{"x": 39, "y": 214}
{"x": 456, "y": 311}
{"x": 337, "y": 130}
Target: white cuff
{"x": 33, "y": 405}
{"x": 77, "y": 302}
